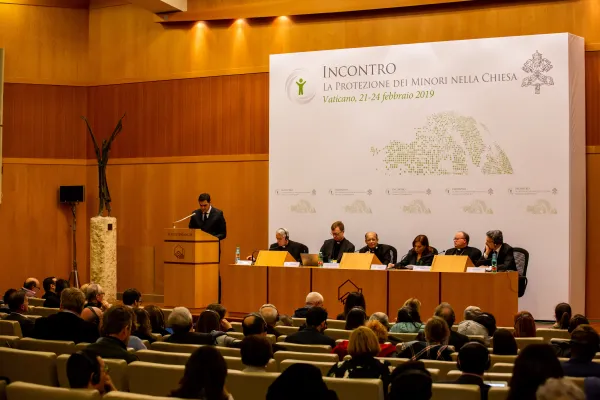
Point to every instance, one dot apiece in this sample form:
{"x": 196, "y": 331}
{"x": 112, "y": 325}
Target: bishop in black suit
{"x": 209, "y": 219}
{"x": 461, "y": 248}
{"x": 334, "y": 249}
{"x": 382, "y": 251}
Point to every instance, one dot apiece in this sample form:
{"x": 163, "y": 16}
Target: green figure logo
{"x": 301, "y": 84}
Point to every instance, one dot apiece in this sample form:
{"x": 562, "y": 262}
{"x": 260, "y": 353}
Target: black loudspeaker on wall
{"x": 71, "y": 194}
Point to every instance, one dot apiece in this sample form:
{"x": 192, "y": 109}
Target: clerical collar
{"x": 372, "y": 250}
{"x": 459, "y": 252}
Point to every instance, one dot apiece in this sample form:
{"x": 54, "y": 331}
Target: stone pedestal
{"x": 103, "y": 255}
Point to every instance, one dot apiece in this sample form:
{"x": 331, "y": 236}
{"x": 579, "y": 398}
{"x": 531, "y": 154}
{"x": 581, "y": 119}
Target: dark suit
{"x": 214, "y": 224}
{"x": 294, "y": 248}
{"x": 191, "y": 338}
{"x": 65, "y": 326}
{"x": 310, "y": 336}
{"x": 52, "y": 300}
{"x": 581, "y": 369}
{"x": 345, "y": 246}
{"x": 382, "y": 251}
{"x": 506, "y": 259}
{"x": 111, "y": 347}
{"x": 473, "y": 380}
{"x": 473, "y": 253}
{"x": 411, "y": 259}
{"x": 457, "y": 340}
{"x": 26, "y": 324}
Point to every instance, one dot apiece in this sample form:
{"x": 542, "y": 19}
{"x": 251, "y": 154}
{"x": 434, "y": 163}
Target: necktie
{"x": 203, "y": 217}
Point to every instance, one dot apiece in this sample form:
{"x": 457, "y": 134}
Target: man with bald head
{"x": 313, "y": 299}
{"x": 29, "y": 287}
{"x": 382, "y": 251}
{"x": 462, "y": 248}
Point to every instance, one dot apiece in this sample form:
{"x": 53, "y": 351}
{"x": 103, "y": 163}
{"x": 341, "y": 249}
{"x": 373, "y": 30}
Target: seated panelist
{"x": 461, "y": 248}
{"x": 382, "y": 251}
{"x": 334, "y": 249}
{"x": 420, "y": 254}
{"x": 494, "y": 244}
{"x": 283, "y": 243}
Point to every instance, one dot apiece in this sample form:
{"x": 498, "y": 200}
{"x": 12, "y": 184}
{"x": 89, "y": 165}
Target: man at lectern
{"x": 461, "y": 248}
{"x": 209, "y": 219}
{"x": 284, "y": 243}
{"x": 334, "y": 249}
{"x": 382, "y": 251}
{"x": 494, "y": 244}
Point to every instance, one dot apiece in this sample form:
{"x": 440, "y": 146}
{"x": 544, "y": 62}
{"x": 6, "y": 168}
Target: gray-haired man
{"x": 494, "y": 244}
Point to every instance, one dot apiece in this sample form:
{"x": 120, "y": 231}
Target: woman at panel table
{"x": 420, "y": 254}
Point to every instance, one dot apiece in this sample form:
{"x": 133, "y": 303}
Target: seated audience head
{"x": 355, "y": 318}
{"x": 118, "y": 322}
{"x": 254, "y": 324}
{"x": 7, "y": 295}
{"x": 18, "y": 302}
{"x": 577, "y": 320}
{"x": 413, "y": 304}
{"x": 411, "y": 380}
{"x": 559, "y": 389}
{"x": 337, "y": 231}
{"x": 31, "y": 284}
{"x": 86, "y": 370}
{"x": 142, "y": 322}
{"x": 446, "y": 312}
{"x": 314, "y": 299}
{"x": 525, "y": 325}
{"x": 363, "y": 343}
{"x": 584, "y": 343}
{"x": 62, "y": 284}
{"x": 406, "y": 314}
{"x": 381, "y": 317}
{"x": 437, "y": 331}
{"x": 49, "y": 284}
{"x": 269, "y": 313}
{"x": 84, "y": 287}
{"x": 256, "y": 351}
{"x": 494, "y": 239}
{"x": 421, "y": 245}
{"x": 380, "y": 331}
{"x": 285, "y": 320}
{"x": 157, "y": 318}
{"x": 461, "y": 240}
{"x": 94, "y": 294}
{"x": 354, "y": 299}
{"x": 219, "y": 308}
{"x": 505, "y": 343}
{"x": 488, "y": 321}
{"x": 534, "y": 364}
{"x": 471, "y": 312}
{"x": 282, "y": 236}
{"x": 180, "y": 320}
{"x": 208, "y": 321}
{"x": 300, "y": 382}
{"x": 562, "y": 314}
{"x": 316, "y": 317}
{"x": 132, "y": 298}
{"x": 72, "y": 299}
{"x": 473, "y": 358}
{"x": 204, "y": 376}
{"x": 371, "y": 239}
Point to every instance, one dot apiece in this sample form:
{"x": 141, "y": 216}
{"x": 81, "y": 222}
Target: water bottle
{"x": 320, "y": 262}
{"x": 237, "y": 254}
{"x": 494, "y": 262}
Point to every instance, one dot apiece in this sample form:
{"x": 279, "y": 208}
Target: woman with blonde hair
{"x": 387, "y": 349}
{"x": 435, "y": 347}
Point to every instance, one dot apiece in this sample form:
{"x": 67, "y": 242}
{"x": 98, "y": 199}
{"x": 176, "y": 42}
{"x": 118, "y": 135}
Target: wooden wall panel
{"x": 203, "y": 116}
{"x": 592, "y": 97}
{"x": 43, "y": 121}
{"x": 592, "y": 295}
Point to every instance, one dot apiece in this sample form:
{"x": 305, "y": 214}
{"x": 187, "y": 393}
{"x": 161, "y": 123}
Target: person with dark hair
{"x": 209, "y": 322}
{"x": 157, "y": 320}
{"x": 49, "y": 285}
{"x": 585, "y": 343}
{"x": 525, "y": 325}
{"x": 446, "y": 312}
{"x": 534, "y": 364}
{"x": 462, "y": 248}
{"x": 435, "y": 346}
{"x": 420, "y": 254}
{"x": 222, "y": 311}
{"x": 488, "y": 321}
{"x": 208, "y": 219}
{"x": 411, "y": 380}
{"x": 54, "y": 301}
{"x": 562, "y": 315}
{"x": 181, "y": 322}
{"x": 354, "y": 299}
{"x": 204, "y": 376}
{"x": 577, "y": 320}
{"x": 256, "y": 353}
{"x": 505, "y": 257}
{"x": 87, "y": 370}
{"x": 473, "y": 360}
{"x": 333, "y": 249}
{"x": 316, "y": 323}
{"x": 117, "y": 325}
{"x": 300, "y": 382}
{"x": 143, "y": 329}
{"x": 407, "y": 321}
{"x": 18, "y": 304}
{"x": 31, "y": 287}
{"x": 7, "y": 294}
{"x": 132, "y": 298}
{"x": 382, "y": 251}
{"x": 254, "y": 324}
{"x": 355, "y": 318}
{"x": 504, "y": 343}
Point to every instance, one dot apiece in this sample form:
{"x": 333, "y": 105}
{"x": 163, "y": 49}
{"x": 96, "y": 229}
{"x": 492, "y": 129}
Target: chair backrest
{"x": 237, "y": 327}
{"x": 477, "y": 338}
{"x": 523, "y": 342}
{"x": 443, "y": 366}
{"x": 305, "y": 348}
{"x": 393, "y": 253}
{"x": 249, "y": 385}
{"x": 454, "y": 356}
{"x": 405, "y": 337}
{"x": 117, "y": 371}
{"x": 336, "y": 334}
{"x": 511, "y": 329}
{"x": 394, "y": 362}
{"x": 521, "y": 259}
{"x": 286, "y": 330}
{"x": 9, "y": 341}
{"x": 154, "y": 379}
{"x": 163, "y": 357}
{"x": 488, "y": 376}
{"x": 53, "y": 346}
{"x": 294, "y": 355}
{"x": 235, "y": 363}
{"x": 33, "y": 317}
{"x": 10, "y": 328}
{"x": 502, "y": 367}
{"x": 352, "y": 389}
{"x": 494, "y": 358}
{"x": 336, "y": 324}
{"x": 190, "y": 348}
{"x": 578, "y": 381}
{"x": 299, "y": 321}
{"x": 29, "y": 391}
{"x": 498, "y": 393}
{"x": 43, "y": 311}
{"x": 240, "y": 336}
{"x": 281, "y": 338}
{"x": 324, "y": 366}
{"x": 35, "y": 302}
{"x": 549, "y": 334}
{"x": 445, "y": 391}
{"x": 134, "y": 396}
{"x": 28, "y": 366}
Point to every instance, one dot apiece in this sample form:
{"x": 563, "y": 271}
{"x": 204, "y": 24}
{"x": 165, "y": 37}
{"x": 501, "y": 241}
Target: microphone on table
{"x": 442, "y": 252}
{"x": 183, "y": 219}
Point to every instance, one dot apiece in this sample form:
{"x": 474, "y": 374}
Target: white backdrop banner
{"x": 432, "y": 138}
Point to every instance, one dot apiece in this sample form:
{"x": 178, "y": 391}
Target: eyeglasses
{"x": 334, "y": 234}
{"x": 455, "y": 239}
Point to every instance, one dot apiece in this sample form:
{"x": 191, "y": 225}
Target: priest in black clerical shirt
{"x": 284, "y": 243}
{"x": 461, "y": 248}
{"x": 382, "y": 251}
{"x": 334, "y": 249}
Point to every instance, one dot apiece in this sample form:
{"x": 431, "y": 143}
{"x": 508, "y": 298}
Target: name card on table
{"x": 478, "y": 270}
{"x": 331, "y": 265}
{"x": 243, "y": 262}
{"x": 421, "y": 268}
{"x": 291, "y": 264}
{"x": 378, "y": 267}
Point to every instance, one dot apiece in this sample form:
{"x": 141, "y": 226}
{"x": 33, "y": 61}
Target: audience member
{"x": 354, "y": 299}
{"x": 413, "y": 304}
{"x": 434, "y": 348}
{"x": 300, "y": 382}
{"x": 525, "y": 325}
{"x": 585, "y": 343}
{"x": 95, "y": 296}
{"x": 87, "y": 370}
{"x": 471, "y": 312}
{"x": 355, "y": 318}
{"x": 31, "y": 286}
{"x": 313, "y": 299}
{"x": 180, "y": 321}
{"x": 407, "y": 321}
{"x": 204, "y": 376}
{"x": 534, "y": 364}
{"x": 271, "y": 316}
{"x": 157, "y": 320}
{"x": 132, "y": 298}
{"x": 7, "y": 294}
{"x": 117, "y": 325}
{"x": 473, "y": 360}
{"x": 256, "y": 353}
{"x": 562, "y": 315}
{"x": 316, "y": 323}
{"x": 143, "y": 329}
{"x": 505, "y": 343}
{"x": 363, "y": 347}
{"x": 446, "y": 312}
{"x": 381, "y": 317}
{"x": 488, "y": 321}
{"x": 559, "y": 389}
{"x": 577, "y": 320}
{"x": 209, "y": 322}
{"x": 254, "y": 324}
{"x": 591, "y": 388}
{"x": 387, "y": 349}
{"x": 54, "y": 301}
{"x": 84, "y": 287}
{"x": 411, "y": 380}
{"x": 67, "y": 324}
{"x": 93, "y": 309}
{"x": 285, "y": 320}
{"x": 49, "y": 285}
{"x": 222, "y": 311}
{"x": 18, "y": 305}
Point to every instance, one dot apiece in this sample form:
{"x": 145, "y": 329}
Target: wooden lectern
{"x": 443, "y": 263}
{"x": 268, "y": 258}
{"x": 191, "y": 261}
{"x": 358, "y": 260}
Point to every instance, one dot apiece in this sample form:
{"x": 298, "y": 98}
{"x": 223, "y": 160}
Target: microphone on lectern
{"x": 183, "y": 219}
